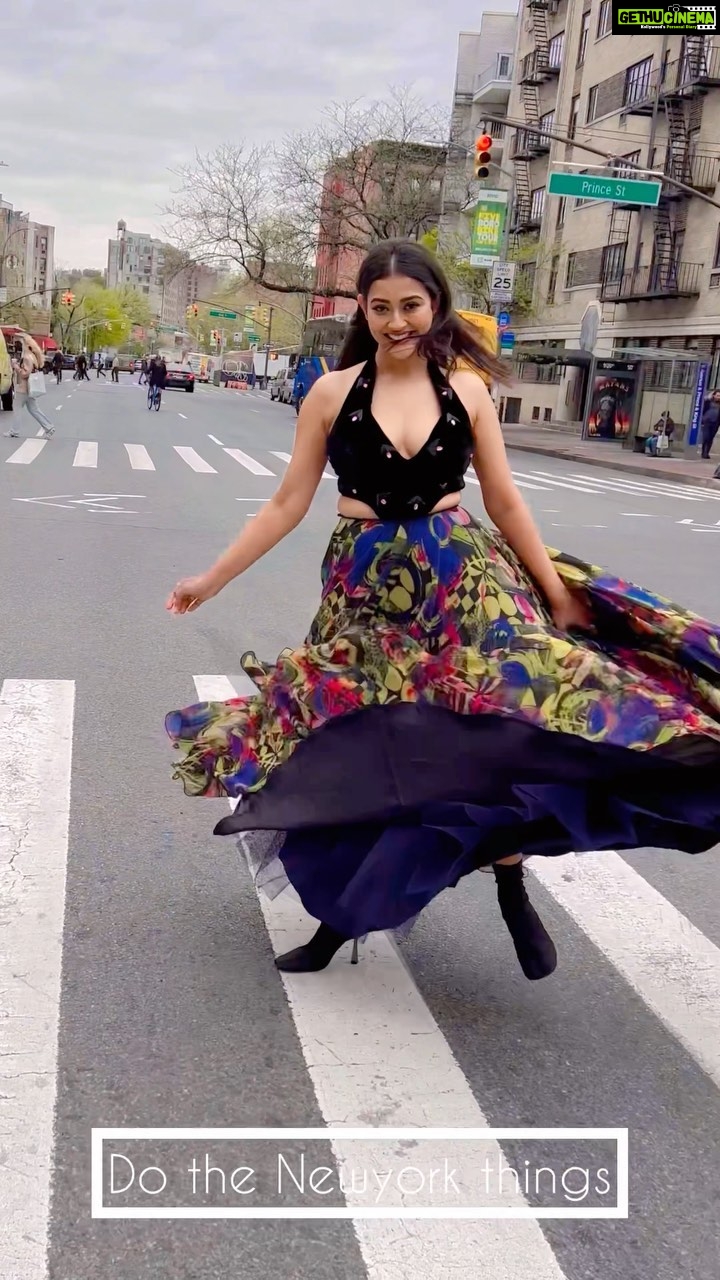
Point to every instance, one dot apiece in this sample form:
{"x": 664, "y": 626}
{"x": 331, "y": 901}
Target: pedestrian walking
{"x": 28, "y": 362}
{"x": 465, "y": 697}
{"x": 100, "y": 368}
{"x": 57, "y": 366}
{"x": 143, "y": 371}
{"x": 115, "y": 370}
{"x": 709, "y": 424}
{"x": 81, "y": 373}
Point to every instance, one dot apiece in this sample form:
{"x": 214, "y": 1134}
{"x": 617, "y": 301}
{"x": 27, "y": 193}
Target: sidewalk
{"x": 552, "y": 443}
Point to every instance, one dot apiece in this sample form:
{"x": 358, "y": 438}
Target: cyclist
{"x": 157, "y": 379}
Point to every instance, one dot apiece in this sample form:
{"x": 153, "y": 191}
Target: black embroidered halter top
{"x": 370, "y": 468}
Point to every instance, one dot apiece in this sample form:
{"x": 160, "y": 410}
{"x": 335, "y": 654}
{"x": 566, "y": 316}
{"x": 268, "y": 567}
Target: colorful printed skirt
{"x": 435, "y": 720}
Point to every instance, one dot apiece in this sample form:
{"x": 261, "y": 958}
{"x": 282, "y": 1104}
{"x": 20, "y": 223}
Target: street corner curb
{"x": 612, "y": 464}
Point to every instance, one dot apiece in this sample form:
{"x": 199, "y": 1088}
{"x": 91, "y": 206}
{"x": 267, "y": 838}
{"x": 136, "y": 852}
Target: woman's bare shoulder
{"x": 331, "y": 389}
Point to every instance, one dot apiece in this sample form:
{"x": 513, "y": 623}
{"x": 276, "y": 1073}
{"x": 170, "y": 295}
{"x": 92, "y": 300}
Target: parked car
{"x": 180, "y": 378}
{"x": 281, "y": 387}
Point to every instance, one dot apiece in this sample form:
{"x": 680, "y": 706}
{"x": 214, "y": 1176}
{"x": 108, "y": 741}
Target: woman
{"x": 28, "y": 359}
{"x": 450, "y": 708}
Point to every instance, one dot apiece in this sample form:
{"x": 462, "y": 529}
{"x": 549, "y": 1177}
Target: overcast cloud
{"x": 100, "y": 100}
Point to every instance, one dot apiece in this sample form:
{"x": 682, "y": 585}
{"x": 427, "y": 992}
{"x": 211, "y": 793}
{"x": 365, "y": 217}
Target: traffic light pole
{"x": 607, "y": 158}
{"x": 267, "y": 349}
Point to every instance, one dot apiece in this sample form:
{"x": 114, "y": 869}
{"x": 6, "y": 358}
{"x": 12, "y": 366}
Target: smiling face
{"x": 399, "y": 310}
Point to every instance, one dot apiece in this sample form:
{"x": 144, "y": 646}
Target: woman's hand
{"x": 569, "y": 613}
{"x": 190, "y": 593}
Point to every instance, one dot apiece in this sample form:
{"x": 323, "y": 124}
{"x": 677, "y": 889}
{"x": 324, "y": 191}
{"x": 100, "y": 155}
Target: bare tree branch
{"x": 368, "y": 171}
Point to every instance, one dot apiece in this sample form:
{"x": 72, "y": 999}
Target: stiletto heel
{"x": 354, "y": 956}
{"x": 534, "y": 947}
{"x": 315, "y": 955}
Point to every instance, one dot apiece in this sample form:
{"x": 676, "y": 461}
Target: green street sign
{"x": 586, "y": 186}
{"x": 225, "y": 315}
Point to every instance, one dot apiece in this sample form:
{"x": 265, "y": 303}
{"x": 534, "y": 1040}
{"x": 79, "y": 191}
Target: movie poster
{"x": 612, "y": 400}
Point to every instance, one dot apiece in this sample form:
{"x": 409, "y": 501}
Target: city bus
{"x": 323, "y": 339}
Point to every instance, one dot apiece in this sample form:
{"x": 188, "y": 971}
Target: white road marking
{"x": 671, "y": 965}
{"x": 216, "y": 441}
{"x": 551, "y": 480}
{"x": 661, "y": 488}
{"x": 58, "y": 407}
{"x": 252, "y": 499}
{"x": 472, "y": 478}
{"x": 249, "y": 463}
{"x": 182, "y": 415}
{"x": 285, "y": 457}
{"x": 193, "y": 459}
{"x": 86, "y": 454}
{"x": 525, "y": 484}
{"x": 29, "y": 450}
{"x": 35, "y": 789}
{"x": 713, "y": 530}
{"x": 373, "y": 1048}
{"x": 684, "y": 521}
{"x": 639, "y": 515}
{"x": 140, "y": 459}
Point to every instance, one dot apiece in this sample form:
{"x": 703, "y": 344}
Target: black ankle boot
{"x": 316, "y": 954}
{"x": 534, "y": 947}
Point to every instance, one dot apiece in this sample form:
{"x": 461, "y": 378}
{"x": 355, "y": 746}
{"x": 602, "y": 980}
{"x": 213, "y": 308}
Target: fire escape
{"x": 679, "y": 87}
{"x": 535, "y": 70}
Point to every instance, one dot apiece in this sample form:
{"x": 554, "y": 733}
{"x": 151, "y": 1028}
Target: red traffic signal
{"x": 483, "y": 155}
{"x": 195, "y": 310}
{"x": 68, "y": 298}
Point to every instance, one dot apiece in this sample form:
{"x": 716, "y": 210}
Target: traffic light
{"x": 195, "y": 309}
{"x": 483, "y": 155}
{"x": 264, "y": 315}
{"x": 67, "y": 298}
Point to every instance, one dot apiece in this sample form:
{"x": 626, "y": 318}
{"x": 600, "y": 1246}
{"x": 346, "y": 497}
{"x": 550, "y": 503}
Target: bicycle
{"x": 154, "y": 397}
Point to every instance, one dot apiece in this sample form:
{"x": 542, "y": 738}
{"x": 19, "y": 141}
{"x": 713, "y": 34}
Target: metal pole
{"x": 609, "y": 159}
{"x": 267, "y": 349}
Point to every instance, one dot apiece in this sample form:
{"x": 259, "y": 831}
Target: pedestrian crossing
{"x": 375, "y": 1047}
{"x": 204, "y": 459}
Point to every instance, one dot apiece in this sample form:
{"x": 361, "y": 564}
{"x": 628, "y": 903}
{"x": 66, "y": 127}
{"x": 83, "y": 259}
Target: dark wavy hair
{"x": 448, "y": 340}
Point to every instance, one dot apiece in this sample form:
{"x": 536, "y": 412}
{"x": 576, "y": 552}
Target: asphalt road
{"x": 137, "y": 988}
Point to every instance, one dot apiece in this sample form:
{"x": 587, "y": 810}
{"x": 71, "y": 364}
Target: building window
{"x": 536, "y": 413}
{"x": 637, "y": 81}
{"x": 503, "y": 66}
{"x": 555, "y": 50}
{"x": 552, "y": 281}
{"x": 574, "y": 115}
{"x": 570, "y": 270}
{"x": 716, "y": 259}
{"x": 604, "y": 19}
{"x": 613, "y": 263}
{"x": 537, "y": 204}
{"x": 547, "y": 415}
{"x": 561, "y": 212}
{"x": 584, "y": 33}
{"x": 547, "y": 122}
{"x": 622, "y": 170}
{"x": 591, "y": 111}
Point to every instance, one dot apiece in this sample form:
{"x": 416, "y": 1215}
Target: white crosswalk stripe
{"x": 29, "y": 450}
{"x": 91, "y": 454}
{"x": 86, "y": 454}
{"x": 140, "y": 459}
{"x": 554, "y": 482}
{"x": 193, "y": 459}
{"x": 285, "y": 457}
{"x": 359, "y": 1040}
{"x": 249, "y": 463}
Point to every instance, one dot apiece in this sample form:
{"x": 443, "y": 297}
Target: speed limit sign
{"x": 502, "y": 279}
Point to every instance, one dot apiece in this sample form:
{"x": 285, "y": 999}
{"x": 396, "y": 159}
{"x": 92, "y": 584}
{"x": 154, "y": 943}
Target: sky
{"x": 102, "y": 101}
